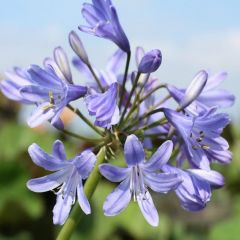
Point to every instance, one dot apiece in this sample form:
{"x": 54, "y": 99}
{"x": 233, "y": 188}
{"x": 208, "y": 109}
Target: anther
{"x": 205, "y": 147}
{"x": 194, "y": 147}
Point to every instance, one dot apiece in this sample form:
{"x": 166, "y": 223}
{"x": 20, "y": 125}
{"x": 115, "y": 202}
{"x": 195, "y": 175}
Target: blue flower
{"x": 103, "y": 22}
{"x": 14, "y": 81}
{"x": 137, "y": 177}
{"x": 201, "y": 135}
{"x": 104, "y": 107}
{"x": 50, "y": 93}
{"x": 66, "y": 181}
{"x": 196, "y": 188}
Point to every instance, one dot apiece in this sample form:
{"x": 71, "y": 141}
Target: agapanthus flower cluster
{"x": 133, "y": 112}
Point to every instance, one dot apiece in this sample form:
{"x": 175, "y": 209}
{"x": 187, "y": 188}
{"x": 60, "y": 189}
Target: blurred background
{"x": 192, "y": 35}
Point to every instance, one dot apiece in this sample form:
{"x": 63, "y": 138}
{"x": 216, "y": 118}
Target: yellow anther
{"x": 205, "y": 147}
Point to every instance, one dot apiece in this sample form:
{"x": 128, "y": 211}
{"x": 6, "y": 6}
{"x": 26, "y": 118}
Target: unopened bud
{"x": 194, "y": 89}
{"x": 150, "y": 62}
{"x": 61, "y": 59}
{"x": 77, "y": 47}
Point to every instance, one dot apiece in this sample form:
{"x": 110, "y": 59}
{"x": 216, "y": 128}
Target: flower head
{"x": 103, "y": 22}
{"x": 137, "y": 177}
{"x": 201, "y": 136}
{"x": 66, "y": 181}
{"x": 104, "y": 107}
{"x": 50, "y": 93}
{"x": 195, "y": 190}
{"x": 14, "y": 81}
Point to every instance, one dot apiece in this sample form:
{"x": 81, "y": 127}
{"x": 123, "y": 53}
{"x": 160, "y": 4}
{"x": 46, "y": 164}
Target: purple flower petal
{"x": 61, "y": 210}
{"x": 49, "y": 182}
{"x": 40, "y": 115}
{"x": 58, "y": 150}
{"x": 116, "y": 61}
{"x": 214, "y": 178}
{"x": 162, "y": 182}
{"x": 82, "y": 199}
{"x": 133, "y": 151}
{"x": 217, "y": 97}
{"x": 160, "y": 157}
{"x": 113, "y": 173}
{"x": 148, "y": 209}
{"x": 117, "y": 200}
{"x": 85, "y": 163}
{"x": 46, "y": 161}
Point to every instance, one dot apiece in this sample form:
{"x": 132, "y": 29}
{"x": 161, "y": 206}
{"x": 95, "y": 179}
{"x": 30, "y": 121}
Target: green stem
{"x": 89, "y": 188}
{"x": 95, "y": 77}
{"x": 129, "y": 97}
{"x": 77, "y": 111}
{"x": 151, "y": 92}
{"x": 81, "y": 137}
{"x": 124, "y": 80}
{"x": 136, "y": 99}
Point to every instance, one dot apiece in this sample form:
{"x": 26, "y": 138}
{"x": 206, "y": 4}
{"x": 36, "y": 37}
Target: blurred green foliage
{"x": 28, "y": 216}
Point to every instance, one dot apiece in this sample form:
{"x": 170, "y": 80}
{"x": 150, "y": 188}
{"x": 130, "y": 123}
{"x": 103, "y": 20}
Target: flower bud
{"x": 61, "y": 60}
{"x": 77, "y": 47}
{"x": 194, "y": 89}
{"x": 150, "y": 62}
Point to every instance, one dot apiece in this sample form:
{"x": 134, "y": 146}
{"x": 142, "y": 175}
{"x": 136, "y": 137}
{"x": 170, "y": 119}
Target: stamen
{"x": 194, "y": 147}
{"x": 199, "y": 139}
{"x": 52, "y": 102}
{"x": 205, "y": 147}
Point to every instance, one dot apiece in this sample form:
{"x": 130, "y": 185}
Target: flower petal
{"x": 49, "y": 182}
{"x": 61, "y": 210}
{"x": 160, "y": 157}
{"x": 58, "y": 150}
{"x": 118, "y": 199}
{"x": 162, "y": 182}
{"x": 82, "y": 199}
{"x": 40, "y": 115}
{"x": 85, "y": 163}
{"x": 148, "y": 209}
{"x": 44, "y": 160}
{"x": 133, "y": 151}
{"x": 116, "y": 61}
{"x": 214, "y": 178}
{"x": 113, "y": 173}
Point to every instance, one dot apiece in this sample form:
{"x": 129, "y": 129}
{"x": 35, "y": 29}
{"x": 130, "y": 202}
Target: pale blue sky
{"x": 192, "y": 35}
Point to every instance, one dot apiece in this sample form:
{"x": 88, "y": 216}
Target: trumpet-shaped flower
{"x": 104, "y": 107}
{"x": 103, "y": 22}
{"x": 196, "y": 188}
{"x": 201, "y": 135}
{"x": 50, "y": 93}
{"x": 137, "y": 177}
{"x": 66, "y": 181}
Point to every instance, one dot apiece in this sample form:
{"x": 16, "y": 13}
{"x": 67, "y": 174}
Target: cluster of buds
{"x": 130, "y": 117}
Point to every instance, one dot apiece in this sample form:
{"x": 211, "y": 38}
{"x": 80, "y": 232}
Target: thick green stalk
{"x": 89, "y": 188}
